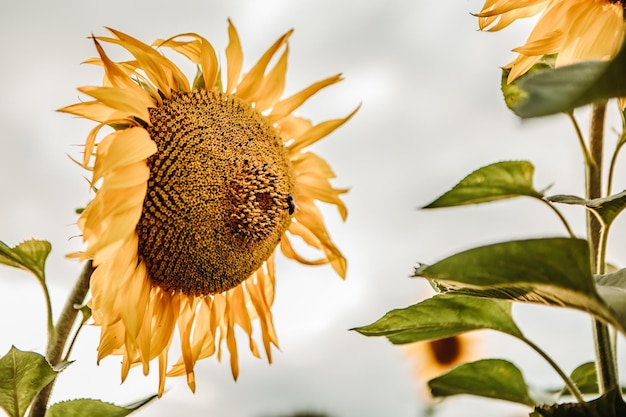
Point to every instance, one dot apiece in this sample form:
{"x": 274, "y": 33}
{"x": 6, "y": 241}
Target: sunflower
{"x": 434, "y": 357}
{"x": 196, "y": 184}
{"x": 576, "y": 30}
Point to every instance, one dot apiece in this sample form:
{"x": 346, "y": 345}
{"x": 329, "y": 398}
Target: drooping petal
{"x": 288, "y": 250}
{"x": 313, "y": 175}
{"x": 309, "y": 223}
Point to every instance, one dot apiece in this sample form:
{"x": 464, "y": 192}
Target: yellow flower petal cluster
{"x": 576, "y": 30}
{"x": 196, "y": 183}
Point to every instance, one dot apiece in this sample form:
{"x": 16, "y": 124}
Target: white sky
{"x": 431, "y": 113}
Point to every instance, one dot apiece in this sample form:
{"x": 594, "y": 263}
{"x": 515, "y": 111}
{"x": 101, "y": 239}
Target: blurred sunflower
{"x": 576, "y": 30}
{"x": 435, "y": 357}
{"x": 195, "y": 187}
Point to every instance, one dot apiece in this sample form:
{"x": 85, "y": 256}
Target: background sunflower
{"x": 422, "y": 126}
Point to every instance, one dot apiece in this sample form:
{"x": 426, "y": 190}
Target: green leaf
{"x": 548, "y": 91}
{"x": 607, "y": 208}
{"x": 93, "y": 408}
{"x": 22, "y": 376}
{"x": 585, "y": 378}
{"x": 554, "y": 271}
{"x": 609, "y": 405}
{"x": 491, "y": 378}
{"x": 612, "y": 289}
{"x": 490, "y": 183}
{"x": 513, "y": 94}
{"x": 441, "y": 316}
{"x": 29, "y": 255}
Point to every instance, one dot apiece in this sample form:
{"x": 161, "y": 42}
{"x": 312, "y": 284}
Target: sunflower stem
{"x": 596, "y": 236}
{"x": 589, "y": 160}
{"x": 620, "y": 142}
{"x": 571, "y": 386}
{"x": 68, "y": 351}
{"x": 62, "y": 329}
{"x": 49, "y": 324}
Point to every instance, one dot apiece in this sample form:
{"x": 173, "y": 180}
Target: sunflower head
{"x": 196, "y": 184}
{"x": 221, "y": 208}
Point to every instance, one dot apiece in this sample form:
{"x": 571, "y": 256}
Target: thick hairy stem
{"x": 594, "y": 175}
{"x": 605, "y": 358}
{"x": 62, "y": 329}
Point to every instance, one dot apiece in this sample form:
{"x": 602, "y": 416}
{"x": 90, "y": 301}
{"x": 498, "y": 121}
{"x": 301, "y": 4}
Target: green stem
{"x": 71, "y": 345}
{"x": 56, "y": 346}
{"x": 571, "y": 386}
{"x": 49, "y": 310}
{"x": 618, "y": 147}
{"x": 563, "y": 220}
{"x": 596, "y": 236}
{"x": 581, "y": 141}
{"x": 609, "y": 183}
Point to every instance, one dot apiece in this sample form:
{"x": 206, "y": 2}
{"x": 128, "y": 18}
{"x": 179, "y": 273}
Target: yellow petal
{"x": 272, "y": 86}
{"x": 317, "y": 132}
{"x": 234, "y": 58}
{"x": 206, "y": 58}
{"x": 125, "y": 101}
{"x": 120, "y": 79}
{"x": 231, "y": 342}
{"x": 310, "y": 219}
{"x": 95, "y": 110}
{"x": 124, "y": 147}
{"x": 288, "y": 250}
{"x": 284, "y": 108}
{"x": 253, "y": 79}
{"x": 163, "y": 72}
{"x": 262, "y": 309}
{"x": 292, "y": 127}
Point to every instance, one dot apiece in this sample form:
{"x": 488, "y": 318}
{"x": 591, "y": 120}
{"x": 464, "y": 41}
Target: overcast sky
{"x": 431, "y": 113}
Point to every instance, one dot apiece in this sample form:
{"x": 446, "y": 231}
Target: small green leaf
{"x": 441, "y": 316}
{"x": 22, "y": 376}
{"x": 490, "y": 183}
{"x": 585, "y": 378}
{"x": 553, "y": 271}
{"x": 610, "y": 404}
{"x": 607, "y": 208}
{"x": 549, "y": 91}
{"x": 491, "y": 378}
{"x": 29, "y": 255}
{"x": 93, "y": 408}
